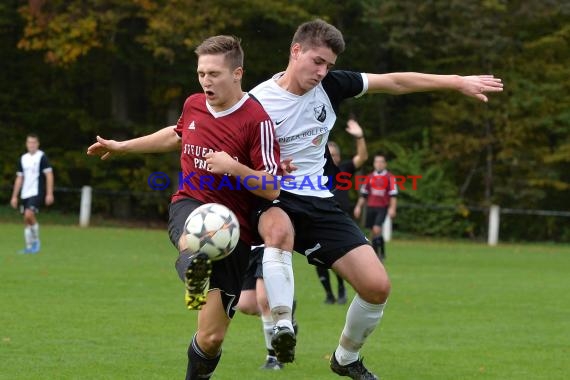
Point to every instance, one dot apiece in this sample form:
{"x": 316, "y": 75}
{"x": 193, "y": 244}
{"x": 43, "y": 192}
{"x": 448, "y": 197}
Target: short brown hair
{"x": 227, "y": 45}
{"x": 319, "y": 33}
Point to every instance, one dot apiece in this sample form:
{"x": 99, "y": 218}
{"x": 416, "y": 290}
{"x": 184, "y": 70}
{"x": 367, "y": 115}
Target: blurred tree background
{"x": 75, "y": 69}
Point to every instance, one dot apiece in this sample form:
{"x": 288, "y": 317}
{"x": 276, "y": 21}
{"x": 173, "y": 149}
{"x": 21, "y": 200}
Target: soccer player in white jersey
{"x": 34, "y": 184}
{"x": 303, "y": 102}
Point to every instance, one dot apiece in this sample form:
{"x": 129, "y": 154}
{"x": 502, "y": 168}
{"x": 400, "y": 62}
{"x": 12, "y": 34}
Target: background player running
{"x": 379, "y": 192}
{"x": 34, "y": 183}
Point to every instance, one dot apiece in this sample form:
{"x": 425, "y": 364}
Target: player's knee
{"x": 278, "y": 237}
{"x": 29, "y": 216}
{"x": 248, "y": 308}
{"x": 383, "y": 291}
{"x": 378, "y": 292}
{"x": 276, "y": 229}
{"x": 211, "y": 342}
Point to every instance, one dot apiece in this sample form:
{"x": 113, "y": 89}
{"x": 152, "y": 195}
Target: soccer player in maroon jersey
{"x": 224, "y": 135}
{"x": 379, "y": 193}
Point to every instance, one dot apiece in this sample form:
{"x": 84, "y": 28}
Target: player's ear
{"x": 238, "y": 74}
{"x": 295, "y": 50}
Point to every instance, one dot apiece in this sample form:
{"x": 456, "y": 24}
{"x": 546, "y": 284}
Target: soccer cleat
{"x": 35, "y": 247}
{"x": 272, "y": 363}
{"x": 26, "y": 251}
{"x": 194, "y": 270}
{"x": 341, "y": 299}
{"x": 355, "y": 370}
{"x": 283, "y": 342}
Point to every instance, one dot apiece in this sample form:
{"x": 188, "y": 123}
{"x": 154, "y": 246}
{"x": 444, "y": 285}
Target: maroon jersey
{"x": 246, "y": 133}
{"x": 378, "y": 188}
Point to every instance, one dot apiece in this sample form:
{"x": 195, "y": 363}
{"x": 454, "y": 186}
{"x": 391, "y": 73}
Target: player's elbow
{"x": 271, "y": 194}
{"x": 359, "y": 160}
{"x": 270, "y": 187}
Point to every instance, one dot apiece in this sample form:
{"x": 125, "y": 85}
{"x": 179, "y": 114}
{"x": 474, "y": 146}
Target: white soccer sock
{"x": 35, "y": 232}
{"x": 267, "y": 321}
{"x": 361, "y": 319}
{"x": 28, "y": 236}
{"x": 279, "y": 284}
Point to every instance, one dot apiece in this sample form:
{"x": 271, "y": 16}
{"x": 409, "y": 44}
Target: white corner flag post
{"x": 85, "y": 209}
{"x": 494, "y": 221}
{"x": 387, "y": 229}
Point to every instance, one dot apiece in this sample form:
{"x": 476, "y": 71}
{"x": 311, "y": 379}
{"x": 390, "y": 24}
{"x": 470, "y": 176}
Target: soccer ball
{"x": 212, "y": 229}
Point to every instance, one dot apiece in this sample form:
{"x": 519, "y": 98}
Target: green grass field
{"x": 106, "y": 303}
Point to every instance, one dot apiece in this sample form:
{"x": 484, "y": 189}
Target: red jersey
{"x": 378, "y": 189}
{"x": 246, "y": 133}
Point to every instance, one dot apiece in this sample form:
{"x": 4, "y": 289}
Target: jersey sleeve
{"x": 45, "y": 167}
{"x": 341, "y": 84}
{"x": 347, "y": 166}
{"x": 330, "y": 169}
{"x": 393, "y": 192}
{"x": 365, "y": 188}
{"x": 20, "y": 169}
{"x": 264, "y": 153}
{"x": 180, "y": 123}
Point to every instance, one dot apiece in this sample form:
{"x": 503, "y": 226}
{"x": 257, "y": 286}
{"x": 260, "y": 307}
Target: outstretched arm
{"x": 474, "y": 86}
{"x": 354, "y": 129}
{"x": 164, "y": 140}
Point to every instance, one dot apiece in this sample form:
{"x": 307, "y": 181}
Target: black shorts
{"x": 32, "y": 203}
{"x": 228, "y": 273}
{"x": 375, "y": 216}
{"x": 323, "y": 232}
{"x": 254, "y": 269}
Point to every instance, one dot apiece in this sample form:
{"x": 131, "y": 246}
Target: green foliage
{"x": 444, "y": 215}
{"x": 74, "y": 69}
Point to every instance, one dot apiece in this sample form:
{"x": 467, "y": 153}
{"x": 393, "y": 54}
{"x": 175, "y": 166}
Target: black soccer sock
{"x": 182, "y": 262}
{"x": 382, "y": 248}
{"x": 375, "y": 244}
{"x": 323, "y": 274}
{"x": 200, "y": 366}
{"x": 341, "y": 290}
{"x": 293, "y": 319}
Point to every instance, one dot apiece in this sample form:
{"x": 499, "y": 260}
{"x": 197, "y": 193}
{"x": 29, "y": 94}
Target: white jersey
{"x": 303, "y": 124}
{"x": 33, "y": 167}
